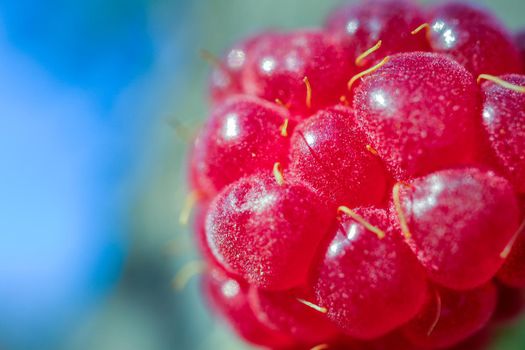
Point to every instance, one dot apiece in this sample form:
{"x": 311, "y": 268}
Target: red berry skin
{"x": 361, "y": 25}
{"x": 459, "y": 221}
{"x": 226, "y": 77}
{"x": 265, "y": 232}
{"x": 449, "y": 317}
{"x": 241, "y": 137}
{"x": 368, "y": 285}
{"x": 504, "y": 123}
{"x": 278, "y": 66}
{"x": 512, "y": 273}
{"x": 420, "y": 112}
{"x": 229, "y": 297}
{"x": 474, "y": 38}
{"x": 329, "y": 152}
{"x": 282, "y": 311}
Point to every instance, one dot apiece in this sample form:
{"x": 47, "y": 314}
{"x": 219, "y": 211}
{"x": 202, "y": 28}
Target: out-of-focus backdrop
{"x": 92, "y": 168}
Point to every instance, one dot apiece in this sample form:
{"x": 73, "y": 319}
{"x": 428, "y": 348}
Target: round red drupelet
{"x": 361, "y": 25}
{"x": 278, "y": 68}
{"x": 504, "y": 122}
{"x": 226, "y": 76}
{"x": 368, "y": 285}
{"x": 421, "y": 113}
{"x": 329, "y": 151}
{"x": 229, "y": 297}
{"x": 241, "y": 137}
{"x": 448, "y": 317}
{"x": 459, "y": 223}
{"x": 473, "y": 37}
{"x": 283, "y": 311}
{"x": 267, "y": 232}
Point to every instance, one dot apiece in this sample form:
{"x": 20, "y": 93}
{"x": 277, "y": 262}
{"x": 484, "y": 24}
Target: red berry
{"x": 447, "y": 125}
{"x": 284, "y": 312}
{"x": 369, "y": 283}
{"x": 449, "y": 317}
{"x": 229, "y": 298}
{"x": 504, "y": 122}
{"x": 278, "y": 68}
{"x": 458, "y": 222}
{"x": 241, "y": 137}
{"x": 267, "y": 232}
{"x": 360, "y": 26}
{"x": 329, "y": 151}
{"x": 474, "y": 38}
{"x": 420, "y": 111}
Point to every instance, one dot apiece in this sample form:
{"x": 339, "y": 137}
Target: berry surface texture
{"x": 361, "y": 185}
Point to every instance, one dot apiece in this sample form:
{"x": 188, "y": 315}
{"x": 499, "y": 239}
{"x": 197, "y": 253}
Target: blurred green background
{"x": 141, "y": 310}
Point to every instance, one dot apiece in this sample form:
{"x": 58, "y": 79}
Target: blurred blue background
{"x": 92, "y": 174}
{"x": 72, "y": 139}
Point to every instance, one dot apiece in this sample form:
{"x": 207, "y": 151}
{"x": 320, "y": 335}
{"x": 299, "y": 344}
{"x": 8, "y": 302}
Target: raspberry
{"x": 474, "y": 38}
{"x": 359, "y": 186}
{"x": 449, "y": 317}
{"x": 420, "y": 111}
{"x": 449, "y": 218}
{"x": 368, "y": 281}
